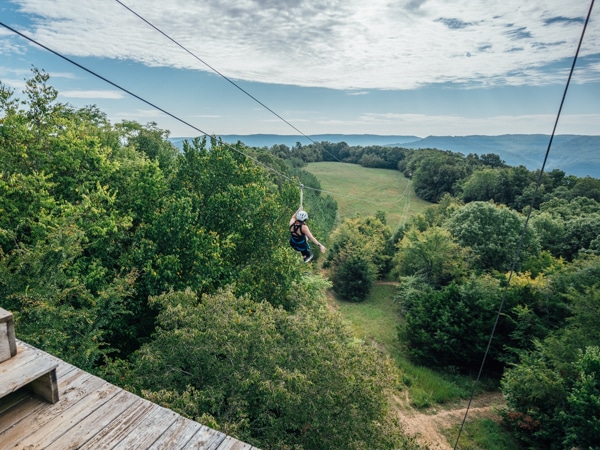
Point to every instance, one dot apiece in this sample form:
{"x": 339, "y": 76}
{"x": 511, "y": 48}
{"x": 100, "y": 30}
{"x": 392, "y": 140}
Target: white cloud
{"x": 112, "y": 95}
{"x": 457, "y": 125}
{"x": 341, "y": 44}
{"x": 139, "y": 114}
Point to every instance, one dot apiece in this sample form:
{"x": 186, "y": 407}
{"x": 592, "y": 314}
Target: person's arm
{"x": 293, "y": 219}
{"x": 312, "y": 238}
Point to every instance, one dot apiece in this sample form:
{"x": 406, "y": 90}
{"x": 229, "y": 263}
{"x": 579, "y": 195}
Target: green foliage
{"x": 552, "y": 392}
{"x": 493, "y": 233}
{"x": 482, "y": 434}
{"x": 587, "y": 187}
{"x": 432, "y": 254}
{"x": 352, "y": 275}
{"x": 270, "y": 378}
{"x": 451, "y": 327}
{"x": 151, "y": 142}
{"x": 436, "y": 173}
{"x": 57, "y": 308}
{"x": 581, "y": 419}
{"x": 359, "y": 254}
{"x": 481, "y": 185}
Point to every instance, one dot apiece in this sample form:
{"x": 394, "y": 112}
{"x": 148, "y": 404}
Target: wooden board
{"x": 93, "y": 415}
{"x": 88, "y": 427}
{"x": 29, "y": 367}
{"x": 177, "y": 435}
{"x": 8, "y": 347}
{"x": 4, "y": 343}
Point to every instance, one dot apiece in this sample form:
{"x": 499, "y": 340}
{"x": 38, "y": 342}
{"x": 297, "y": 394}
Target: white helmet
{"x": 302, "y": 216}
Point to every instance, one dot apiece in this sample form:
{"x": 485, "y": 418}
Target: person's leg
{"x": 306, "y": 254}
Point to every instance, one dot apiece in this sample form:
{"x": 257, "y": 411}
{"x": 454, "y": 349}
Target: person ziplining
{"x": 299, "y": 232}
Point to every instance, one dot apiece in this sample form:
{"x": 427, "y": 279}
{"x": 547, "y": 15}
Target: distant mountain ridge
{"x": 268, "y": 140}
{"x": 574, "y": 154}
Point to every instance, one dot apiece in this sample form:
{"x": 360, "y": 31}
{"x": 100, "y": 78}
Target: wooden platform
{"x": 94, "y": 414}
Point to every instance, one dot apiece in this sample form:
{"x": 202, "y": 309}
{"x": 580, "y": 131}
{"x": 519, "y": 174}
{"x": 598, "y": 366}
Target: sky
{"x": 403, "y": 67}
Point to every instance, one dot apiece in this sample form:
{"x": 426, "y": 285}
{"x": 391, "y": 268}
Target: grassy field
{"x": 376, "y": 319}
{"x": 364, "y": 191}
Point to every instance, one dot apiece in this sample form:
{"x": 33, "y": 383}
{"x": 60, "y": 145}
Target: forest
{"x": 169, "y": 273}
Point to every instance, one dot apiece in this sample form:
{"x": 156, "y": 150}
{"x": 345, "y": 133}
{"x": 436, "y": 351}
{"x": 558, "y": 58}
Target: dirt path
{"x": 428, "y": 424}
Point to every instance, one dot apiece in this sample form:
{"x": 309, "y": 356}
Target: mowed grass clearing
{"x": 364, "y": 191}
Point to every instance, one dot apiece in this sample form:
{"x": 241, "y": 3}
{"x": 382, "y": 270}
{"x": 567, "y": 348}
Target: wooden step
{"x": 29, "y": 368}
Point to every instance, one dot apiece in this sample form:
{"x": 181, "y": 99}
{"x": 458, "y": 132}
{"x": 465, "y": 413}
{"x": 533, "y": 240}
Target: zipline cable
{"x": 177, "y": 118}
{"x": 221, "y": 75}
{"x": 30, "y": 39}
{"x": 522, "y": 238}
{"x": 212, "y": 68}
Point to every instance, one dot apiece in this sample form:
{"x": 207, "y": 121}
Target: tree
{"x": 437, "y": 174}
{"x": 493, "y": 232}
{"x": 359, "y": 254}
{"x": 579, "y": 234}
{"x": 352, "y": 275}
{"x": 582, "y": 421}
{"x": 270, "y": 378}
{"x": 481, "y": 185}
{"x": 553, "y": 389}
{"x": 152, "y": 142}
{"x": 450, "y": 327}
{"x": 587, "y": 187}
{"x": 567, "y": 227}
{"x": 64, "y": 301}
{"x": 535, "y": 394}
{"x": 432, "y": 254}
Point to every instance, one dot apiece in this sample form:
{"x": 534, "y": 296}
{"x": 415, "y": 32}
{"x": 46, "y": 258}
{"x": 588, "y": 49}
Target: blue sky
{"x": 416, "y": 67}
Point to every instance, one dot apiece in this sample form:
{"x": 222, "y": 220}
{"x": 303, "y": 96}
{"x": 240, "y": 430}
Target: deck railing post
{"x": 8, "y": 342}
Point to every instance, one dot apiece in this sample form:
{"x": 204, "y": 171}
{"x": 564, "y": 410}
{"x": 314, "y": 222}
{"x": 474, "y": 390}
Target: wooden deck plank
{"x": 31, "y": 406}
{"x": 63, "y": 367}
{"x": 20, "y": 359}
{"x": 16, "y": 374}
{"x": 117, "y": 430}
{"x": 206, "y": 439}
{"x": 18, "y": 423}
{"x": 94, "y": 415}
{"x": 149, "y": 430}
{"x": 177, "y": 435}
{"x": 61, "y": 424}
{"x": 89, "y": 426}
{"x": 11, "y": 400}
{"x": 32, "y": 368}
{"x": 19, "y": 411}
{"x": 233, "y": 444}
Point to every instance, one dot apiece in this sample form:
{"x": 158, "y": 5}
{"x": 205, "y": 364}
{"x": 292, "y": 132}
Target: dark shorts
{"x": 301, "y": 246}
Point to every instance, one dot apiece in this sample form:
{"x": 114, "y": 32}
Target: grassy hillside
{"x": 364, "y": 191}
{"x": 426, "y": 395}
